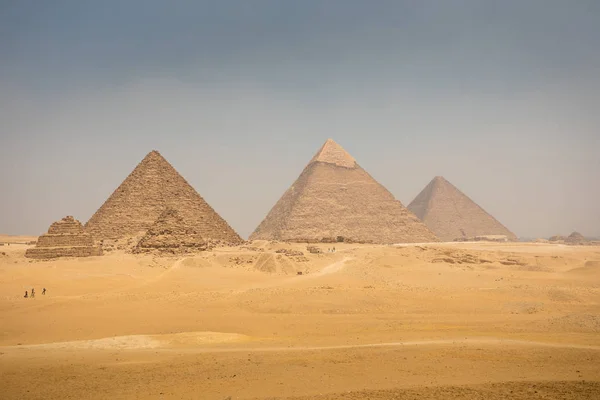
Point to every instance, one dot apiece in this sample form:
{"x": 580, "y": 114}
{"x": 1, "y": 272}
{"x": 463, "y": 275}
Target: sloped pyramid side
{"x": 171, "y": 233}
{"x": 451, "y": 214}
{"x": 152, "y": 187}
{"x": 334, "y": 196}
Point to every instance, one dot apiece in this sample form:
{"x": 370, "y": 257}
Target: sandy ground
{"x": 457, "y": 320}
{"x": 6, "y": 239}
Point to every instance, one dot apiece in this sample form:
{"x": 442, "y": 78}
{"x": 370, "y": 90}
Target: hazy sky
{"x": 500, "y": 97}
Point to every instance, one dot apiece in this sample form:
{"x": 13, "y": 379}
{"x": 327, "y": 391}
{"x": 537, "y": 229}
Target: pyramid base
{"x": 47, "y": 253}
{"x": 171, "y": 250}
{"x": 338, "y": 239}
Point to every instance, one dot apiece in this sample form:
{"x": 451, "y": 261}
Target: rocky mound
{"x": 575, "y": 238}
{"x": 172, "y": 234}
{"x": 277, "y": 263}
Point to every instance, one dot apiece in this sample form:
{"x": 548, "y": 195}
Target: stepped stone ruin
{"x": 153, "y": 187}
{"x": 557, "y": 238}
{"x": 65, "y": 238}
{"x": 451, "y": 215}
{"x": 171, "y": 234}
{"x": 333, "y": 199}
{"x": 575, "y": 238}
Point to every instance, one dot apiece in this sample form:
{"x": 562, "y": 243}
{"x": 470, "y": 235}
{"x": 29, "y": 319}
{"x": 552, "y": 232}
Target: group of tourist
{"x": 33, "y": 293}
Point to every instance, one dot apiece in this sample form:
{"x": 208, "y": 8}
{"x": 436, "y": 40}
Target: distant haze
{"x": 500, "y": 98}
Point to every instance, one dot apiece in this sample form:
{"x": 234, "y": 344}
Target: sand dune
{"x": 461, "y": 320}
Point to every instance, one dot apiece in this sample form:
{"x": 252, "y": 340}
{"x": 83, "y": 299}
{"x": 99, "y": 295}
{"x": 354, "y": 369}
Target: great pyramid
{"x": 152, "y": 187}
{"x": 451, "y": 215}
{"x": 65, "y": 238}
{"x": 170, "y": 233}
{"x": 335, "y": 198}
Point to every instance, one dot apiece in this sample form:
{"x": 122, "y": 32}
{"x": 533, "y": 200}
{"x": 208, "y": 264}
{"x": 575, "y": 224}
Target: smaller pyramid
{"x": 170, "y": 233}
{"x": 65, "y": 238}
{"x": 451, "y": 215}
{"x": 575, "y": 238}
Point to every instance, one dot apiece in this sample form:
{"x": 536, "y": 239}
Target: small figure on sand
{"x": 26, "y": 296}
{"x": 32, "y": 293}
{"x": 43, "y": 291}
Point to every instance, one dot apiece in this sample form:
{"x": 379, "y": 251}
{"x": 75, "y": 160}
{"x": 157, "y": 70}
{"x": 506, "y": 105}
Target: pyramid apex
{"x": 333, "y": 153}
{"x": 440, "y": 180}
{"x": 155, "y": 155}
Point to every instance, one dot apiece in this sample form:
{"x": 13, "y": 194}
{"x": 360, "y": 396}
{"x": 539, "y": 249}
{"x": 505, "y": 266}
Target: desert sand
{"x": 441, "y": 320}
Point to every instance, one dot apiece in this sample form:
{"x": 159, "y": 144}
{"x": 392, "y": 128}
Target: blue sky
{"x": 501, "y": 98}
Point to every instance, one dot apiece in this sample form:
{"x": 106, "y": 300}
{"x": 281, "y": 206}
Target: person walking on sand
{"x": 43, "y": 291}
{"x": 32, "y": 293}
{"x": 26, "y": 296}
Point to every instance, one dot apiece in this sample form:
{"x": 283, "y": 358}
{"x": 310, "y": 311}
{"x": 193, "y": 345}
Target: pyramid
{"x": 65, "y": 238}
{"x": 170, "y": 233}
{"x": 335, "y": 199}
{"x": 575, "y": 238}
{"x": 451, "y": 215}
{"x": 152, "y": 187}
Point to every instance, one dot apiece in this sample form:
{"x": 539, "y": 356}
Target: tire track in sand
{"x": 156, "y": 343}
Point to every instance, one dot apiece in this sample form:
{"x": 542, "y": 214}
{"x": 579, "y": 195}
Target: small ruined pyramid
{"x": 575, "y": 238}
{"x": 335, "y": 199}
{"x": 65, "y": 238}
{"x": 152, "y": 187}
{"x": 170, "y": 233}
{"x": 451, "y": 215}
